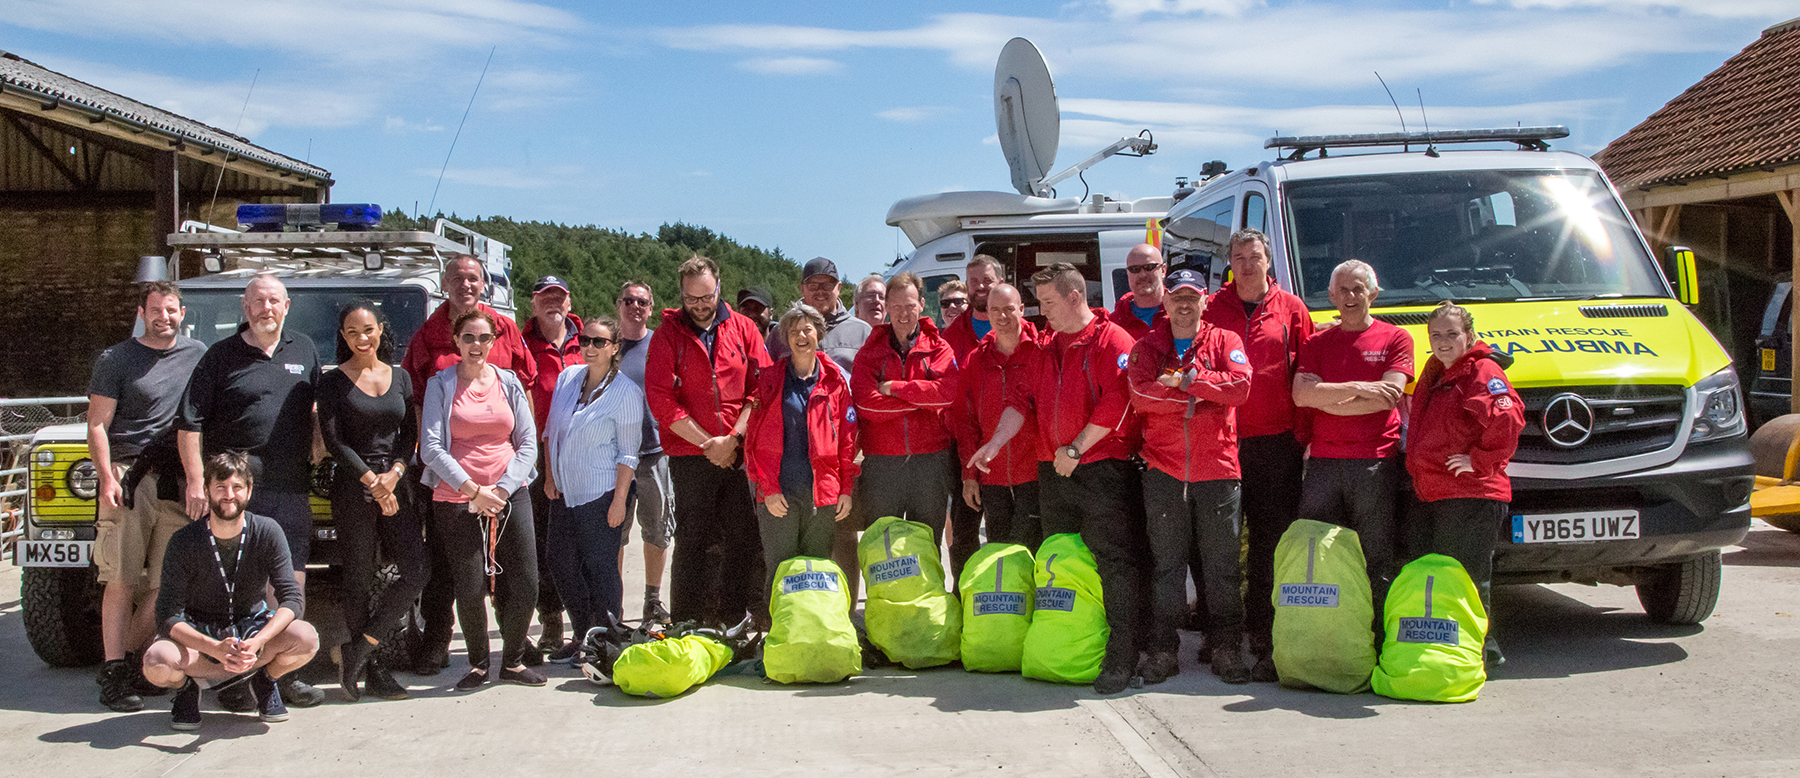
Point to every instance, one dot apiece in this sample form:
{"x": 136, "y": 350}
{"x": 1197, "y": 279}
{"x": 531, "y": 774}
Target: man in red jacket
{"x": 904, "y": 380}
{"x": 1006, "y": 495}
{"x": 1353, "y": 377}
{"x": 550, "y": 338}
{"x": 1186, "y": 378}
{"x": 964, "y": 334}
{"x": 699, "y": 376}
{"x": 1272, "y": 323}
{"x": 1078, "y": 389}
{"x": 1142, "y": 307}
{"x": 431, "y": 350}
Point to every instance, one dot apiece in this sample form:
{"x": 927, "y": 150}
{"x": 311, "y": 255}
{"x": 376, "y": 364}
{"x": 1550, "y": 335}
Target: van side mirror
{"x": 1687, "y": 277}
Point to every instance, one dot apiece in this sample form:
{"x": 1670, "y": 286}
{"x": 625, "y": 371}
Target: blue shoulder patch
{"x": 1496, "y": 386}
{"x": 850, "y": 415}
{"x": 1237, "y": 355}
{"x": 1124, "y": 361}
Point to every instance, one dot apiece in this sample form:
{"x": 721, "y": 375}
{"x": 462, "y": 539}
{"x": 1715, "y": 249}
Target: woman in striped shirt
{"x": 592, "y": 436}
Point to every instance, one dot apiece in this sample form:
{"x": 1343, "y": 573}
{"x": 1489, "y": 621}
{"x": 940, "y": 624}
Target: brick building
{"x": 89, "y": 182}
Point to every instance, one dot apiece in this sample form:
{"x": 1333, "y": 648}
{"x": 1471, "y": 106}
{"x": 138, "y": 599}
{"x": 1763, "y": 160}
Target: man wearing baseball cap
{"x": 756, "y": 303}
{"x": 550, "y": 340}
{"x": 1186, "y": 377}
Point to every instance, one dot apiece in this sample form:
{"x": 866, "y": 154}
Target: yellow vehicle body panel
{"x": 65, "y": 506}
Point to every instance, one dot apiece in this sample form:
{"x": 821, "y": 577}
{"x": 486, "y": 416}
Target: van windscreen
{"x": 1480, "y": 235}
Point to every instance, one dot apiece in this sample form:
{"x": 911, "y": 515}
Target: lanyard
{"x": 230, "y": 584}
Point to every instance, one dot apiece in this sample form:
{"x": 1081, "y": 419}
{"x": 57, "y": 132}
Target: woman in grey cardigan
{"x": 479, "y": 447}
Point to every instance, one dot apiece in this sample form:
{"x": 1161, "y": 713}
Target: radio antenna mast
{"x": 1430, "y": 148}
{"x": 234, "y": 131}
{"x": 1390, "y": 94}
{"x": 459, "y": 129}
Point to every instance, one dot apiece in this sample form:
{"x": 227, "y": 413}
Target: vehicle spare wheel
{"x": 62, "y": 614}
{"x": 1682, "y": 592}
{"x": 1769, "y": 444}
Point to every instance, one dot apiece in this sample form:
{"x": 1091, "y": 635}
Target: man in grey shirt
{"x": 655, "y": 493}
{"x": 132, "y": 400}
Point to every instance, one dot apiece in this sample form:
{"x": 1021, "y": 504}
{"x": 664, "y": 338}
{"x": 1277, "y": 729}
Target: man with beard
{"x": 550, "y": 339}
{"x": 253, "y": 393}
{"x": 132, "y": 400}
{"x": 216, "y": 627}
{"x": 653, "y": 501}
{"x": 699, "y": 375}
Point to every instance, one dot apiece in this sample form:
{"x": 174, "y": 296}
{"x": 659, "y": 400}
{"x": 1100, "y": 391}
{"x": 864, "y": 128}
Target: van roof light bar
{"x": 1528, "y": 138}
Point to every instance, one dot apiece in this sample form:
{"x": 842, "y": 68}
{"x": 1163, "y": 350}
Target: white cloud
{"x": 398, "y": 126}
{"x": 912, "y": 114}
{"x": 790, "y": 66}
{"x": 1132, "y": 9}
{"x": 276, "y": 100}
{"x": 1774, "y": 10}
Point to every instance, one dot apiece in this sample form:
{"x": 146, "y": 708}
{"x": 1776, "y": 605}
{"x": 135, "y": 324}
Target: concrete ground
{"x": 1591, "y": 688}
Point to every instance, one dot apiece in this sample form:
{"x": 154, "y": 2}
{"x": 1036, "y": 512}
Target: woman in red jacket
{"x": 1464, "y": 428}
{"x": 801, "y": 444}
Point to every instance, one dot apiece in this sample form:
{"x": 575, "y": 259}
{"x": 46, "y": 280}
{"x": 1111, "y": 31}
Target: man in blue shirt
{"x": 1141, "y": 308}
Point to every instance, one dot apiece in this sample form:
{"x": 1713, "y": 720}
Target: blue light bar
{"x": 276, "y": 216}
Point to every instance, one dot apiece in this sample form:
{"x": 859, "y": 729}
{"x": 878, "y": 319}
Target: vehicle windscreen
{"x": 213, "y": 314}
{"x": 1480, "y": 235}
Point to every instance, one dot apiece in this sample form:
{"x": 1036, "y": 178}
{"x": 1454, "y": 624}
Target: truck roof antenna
{"x": 459, "y": 128}
{"x": 1430, "y": 148}
{"x": 1396, "y": 103}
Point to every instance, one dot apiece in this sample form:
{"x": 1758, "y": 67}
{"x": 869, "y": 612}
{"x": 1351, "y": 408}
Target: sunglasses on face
{"x": 1144, "y": 268}
{"x": 643, "y": 302}
{"x": 594, "y": 342}
{"x": 470, "y": 338}
{"x": 954, "y": 302}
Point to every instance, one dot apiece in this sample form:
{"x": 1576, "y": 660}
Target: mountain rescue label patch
{"x": 999, "y": 604}
{"x": 888, "y": 570}
{"x": 1055, "y": 598}
{"x": 1305, "y": 595}
{"x": 809, "y": 582}
{"x": 1419, "y": 630}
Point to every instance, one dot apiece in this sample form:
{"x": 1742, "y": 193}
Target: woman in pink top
{"x": 479, "y": 447}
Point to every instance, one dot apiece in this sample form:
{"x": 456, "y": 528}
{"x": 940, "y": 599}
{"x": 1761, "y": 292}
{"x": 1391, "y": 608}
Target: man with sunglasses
{"x": 432, "y": 349}
{"x": 953, "y": 300}
{"x": 654, "y": 499}
{"x": 1141, "y": 309}
{"x": 550, "y": 339}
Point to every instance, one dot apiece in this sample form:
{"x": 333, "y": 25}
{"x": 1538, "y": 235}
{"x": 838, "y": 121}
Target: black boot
{"x": 115, "y": 687}
{"x": 380, "y": 683}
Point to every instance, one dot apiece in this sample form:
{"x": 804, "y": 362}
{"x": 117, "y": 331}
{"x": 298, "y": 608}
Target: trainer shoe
{"x": 380, "y": 683}
{"x": 1160, "y": 666}
{"x": 297, "y": 693}
{"x": 1112, "y": 680}
{"x": 523, "y": 676}
{"x": 1228, "y": 664}
{"x": 236, "y": 698}
{"x": 268, "y": 700}
{"x": 567, "y": 655}
{"x": 115, "y": 687}
{"x": 654, "y": 611}
{"x": 185, "y": 710}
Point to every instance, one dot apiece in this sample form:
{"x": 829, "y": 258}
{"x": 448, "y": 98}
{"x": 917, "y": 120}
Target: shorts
{"x": 653, "y": 501}
{"x": 130, "y": 541}
{"x": 291, "y": 510}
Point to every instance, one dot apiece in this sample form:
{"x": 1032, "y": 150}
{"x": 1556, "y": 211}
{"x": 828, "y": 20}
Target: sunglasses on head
{"x": 594, "y": 342}
{"x": 470, "y": 338}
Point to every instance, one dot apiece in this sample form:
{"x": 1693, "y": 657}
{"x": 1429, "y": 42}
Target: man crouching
{"x": 216, "y": 628}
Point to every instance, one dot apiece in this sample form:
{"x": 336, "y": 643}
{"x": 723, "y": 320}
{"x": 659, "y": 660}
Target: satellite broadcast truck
{"x": 1634, "y": 466}
{"x": 326, "y": 255}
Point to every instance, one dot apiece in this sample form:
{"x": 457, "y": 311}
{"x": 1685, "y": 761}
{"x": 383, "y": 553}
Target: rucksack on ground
{"x": 811, "y": 639}
{"x": 666, "y": 668}
{"x": 1324, "y": 611}
{"x": 1435, "y": 631}
{"x": 999, "y": 590}
{"x": 909, "y": 615}
{"x": 1067, "y": 638}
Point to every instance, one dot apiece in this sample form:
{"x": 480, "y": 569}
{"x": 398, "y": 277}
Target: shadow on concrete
{"x": 1546, "y": 634}
{"x": 952, "y": 689}
{"x": 132, "y": 731}
{"x": 1765, "y": 546}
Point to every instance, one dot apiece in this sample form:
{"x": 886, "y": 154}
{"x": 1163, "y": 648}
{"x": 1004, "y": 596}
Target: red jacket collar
{"x": 1435, "y": 372}
{"x": 571, "y": 326}
{"x": 928, "y": 334}
{"x": 436, "y": 330}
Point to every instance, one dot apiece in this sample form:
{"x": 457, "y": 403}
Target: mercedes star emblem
{"x": 1568, "y": 420}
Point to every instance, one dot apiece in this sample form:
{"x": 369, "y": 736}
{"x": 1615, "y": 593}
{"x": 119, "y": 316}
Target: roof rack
{"x": 1529, "y": 138}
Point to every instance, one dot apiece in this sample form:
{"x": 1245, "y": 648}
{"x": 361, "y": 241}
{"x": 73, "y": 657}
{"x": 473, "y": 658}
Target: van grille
{"x": 1628, "y": 420}
{"x": 1647, "y": 311}
{"x": 1402, "y": 319}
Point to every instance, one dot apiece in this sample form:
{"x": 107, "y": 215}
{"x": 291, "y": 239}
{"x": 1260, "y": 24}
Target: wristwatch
{"x": 1072, "y": 452}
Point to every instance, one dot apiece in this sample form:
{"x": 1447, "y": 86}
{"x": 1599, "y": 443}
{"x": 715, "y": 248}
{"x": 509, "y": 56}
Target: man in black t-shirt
{"x": 216, "y": 629}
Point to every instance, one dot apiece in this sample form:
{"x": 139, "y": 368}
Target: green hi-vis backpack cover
{"x": 1068, "y": 633}
{"x": 909, "y": 615}
{"x": 1323, "y": 609}
{"x": 1435, "y": 631}
{"x": 666, "y": 668}
{"x": 998, "y": 592}
{"x": 811, "y": 639}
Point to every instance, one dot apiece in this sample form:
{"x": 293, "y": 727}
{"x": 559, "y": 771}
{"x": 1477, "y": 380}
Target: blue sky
{"x": 796, "y": 124}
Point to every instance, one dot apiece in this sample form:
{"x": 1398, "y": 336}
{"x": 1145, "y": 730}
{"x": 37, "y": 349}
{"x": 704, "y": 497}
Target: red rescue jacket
{"x": 1467, "y": 408}
{"x": 681, "y": 383}
{"x": 1076, "y": 380}
{"x": 1272, "y": 338}
{"x": 432, "y": 349}
{"x": 987, "y": 378}
{"x": 1189, "y": 433}
{"x": 961, "y": 336}
{"x": 830, "y": 433}
{"x": 911, "y": 421}
{"x": 549, "y": 361}
{"x": 1129, "y": 322}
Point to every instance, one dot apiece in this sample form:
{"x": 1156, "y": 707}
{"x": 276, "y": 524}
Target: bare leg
{"x": 116, "y": 621}
{"x": 655, "y": 559}
{"x": 290, "y": 650}
{"x": 142, "y": 629}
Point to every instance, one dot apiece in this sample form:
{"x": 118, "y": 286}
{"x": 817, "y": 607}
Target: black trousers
{"x": 1360, "y": 494}
{"x": 1270, "y": 467}
{"x": 1464, "y": 529}
{"x": 716, "y": 574}
{"x": 965, "y": 522}
{"x": 1011, "y": 513}
{"x": 465, "y": 538}
{"x": 364, "y": 538}
{"x": 1104, "y": 502}
{"x": 437, "y": 602}
{"x": 584, "y": 559}
{"x": 549, "y": 605}
{"x": 1189, "y": 521}
{"x": 915, "y": 488}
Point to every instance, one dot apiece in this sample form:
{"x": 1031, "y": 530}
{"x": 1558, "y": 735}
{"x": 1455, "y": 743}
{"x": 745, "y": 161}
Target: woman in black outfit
{"x": 370, "y": 426}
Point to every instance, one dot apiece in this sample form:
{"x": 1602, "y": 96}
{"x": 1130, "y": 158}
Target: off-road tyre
{"x": 62, "y": 614}
{"x": 1681, "y": 593}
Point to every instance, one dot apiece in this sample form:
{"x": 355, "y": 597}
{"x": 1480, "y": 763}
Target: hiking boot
{"x": 115, "y": 687}
{"x": 430, "y": 659}
{"x": 1264, "y": 669}
{"x": 298, "y": 693}
{"x": 567, "y": 655}
{"x": 654, "y": 610}
{"x": 1160, "y": 666}
{"x": 185, "y": 710}
{"x": 140, "y": 685}
{"x": 269, "y": 706}
{"x": 1490, "y": 653}
{"x": 473, "y": 680}
{"x": 236, "y": 698}
{"x": 1228, "y": 664}
{"x": 352, "y": 658}
{"x": 380, "y": 684}
{"x": 523, "y": 676}
{"x": 1112, "y": 680}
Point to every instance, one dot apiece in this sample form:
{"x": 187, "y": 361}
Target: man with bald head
{"x": 253, "y": 393}
{"x": 1141, "y": 309}
{"x": 1006, "y": 496}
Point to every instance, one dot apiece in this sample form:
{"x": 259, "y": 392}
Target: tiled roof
{"x": 22, "y": 75}
{"x": 1743, "y": 116}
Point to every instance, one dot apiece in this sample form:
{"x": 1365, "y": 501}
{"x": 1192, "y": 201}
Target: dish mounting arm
{"x": 1141, "y": 146}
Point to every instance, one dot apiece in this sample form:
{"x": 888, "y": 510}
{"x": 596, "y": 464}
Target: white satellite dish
{"x": 1026, "y": 115}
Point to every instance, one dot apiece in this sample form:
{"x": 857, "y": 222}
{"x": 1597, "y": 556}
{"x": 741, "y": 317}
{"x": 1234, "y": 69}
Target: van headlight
{"x": 1718, "y": 410}
{"x": 84, "y": 480}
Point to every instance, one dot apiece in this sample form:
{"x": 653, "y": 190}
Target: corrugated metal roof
{"x": 1743, "y": 116}
{"x": 25, "y": 75}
